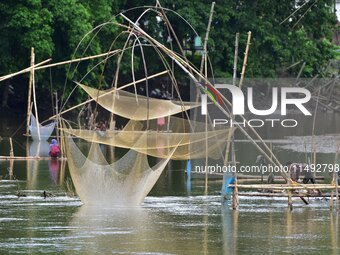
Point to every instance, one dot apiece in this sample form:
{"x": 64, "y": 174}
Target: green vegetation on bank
{"x": 54, "y": 28}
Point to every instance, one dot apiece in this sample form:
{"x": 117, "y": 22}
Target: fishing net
{"x": 159, "y": 144}
{"x": 45, "y": 131}
{"x": 124, "y": 182}
{"x": 134, "y": 106}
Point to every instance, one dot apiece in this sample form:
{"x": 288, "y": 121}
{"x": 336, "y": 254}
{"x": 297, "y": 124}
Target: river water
{"x": 176, "y": 218}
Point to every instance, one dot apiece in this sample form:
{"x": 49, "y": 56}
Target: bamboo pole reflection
{"x": 289, "y": 227}
{"x": 230, "y": 229}
{"x": 334, "y": 220}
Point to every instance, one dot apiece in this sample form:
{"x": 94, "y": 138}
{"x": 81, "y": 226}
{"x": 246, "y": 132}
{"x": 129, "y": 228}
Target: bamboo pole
{"x": 313, "y": 149}
{"x": 281, "y": 194}
{"x": 205, "y": 43}
{"x": 56, "y": 111}
{"x": 205, "y": 61}
{"x": 41, "y": 65}
{"x": 206, "y": 139}
{"x": 245, "y": 60}
{"x": 283, "y": 186}
{"x": 35, "y": 98}
{"x": 233, "y": 154}
{"x": 78, "y": 59}
{"x": 5, "y": 158}
{"x": 334, "y": 179}
{"x": 26, "y": 70}
{"x": 29, "y": 92}
{"x": 235, "y": 58}
{"x": 11, "y": 151}
{"x": 231, "y": 138}
{"x": 235, "y": 190}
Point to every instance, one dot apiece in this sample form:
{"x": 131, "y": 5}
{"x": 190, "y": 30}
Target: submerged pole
{"x": 235, "y": 190}
{"x": 290, "y": 200}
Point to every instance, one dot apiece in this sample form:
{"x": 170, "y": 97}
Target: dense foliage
{"x": 54, "y": 28}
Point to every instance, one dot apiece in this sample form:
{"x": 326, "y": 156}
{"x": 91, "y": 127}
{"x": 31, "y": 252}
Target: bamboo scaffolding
{"x": 187, "y": 68}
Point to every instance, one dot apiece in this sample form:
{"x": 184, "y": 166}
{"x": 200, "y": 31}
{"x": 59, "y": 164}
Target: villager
{"x": 54, "y": 149}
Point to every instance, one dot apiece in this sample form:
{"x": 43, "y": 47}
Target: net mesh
{"x": 45, "y": 131}
{"x": 159, "y": 144}
{"x": 124, "y": 182}
{"x": 134, "y": 106}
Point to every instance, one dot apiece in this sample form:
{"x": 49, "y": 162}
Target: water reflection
{"x": 39, "y": 149}
{"x": 256, "y": 230}
{"x": 115, "y": 230}
{"x": 230, "y": 229}
{"x": 34, "y": 167}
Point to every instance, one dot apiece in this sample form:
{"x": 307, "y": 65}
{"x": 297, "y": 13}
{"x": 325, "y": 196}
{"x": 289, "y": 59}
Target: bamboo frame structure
{"x": 196, "y": 75}
{"x": 189, "y": 69}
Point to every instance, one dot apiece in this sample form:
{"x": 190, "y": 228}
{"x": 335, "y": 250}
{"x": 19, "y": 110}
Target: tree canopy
{"x": 279, "y": 39}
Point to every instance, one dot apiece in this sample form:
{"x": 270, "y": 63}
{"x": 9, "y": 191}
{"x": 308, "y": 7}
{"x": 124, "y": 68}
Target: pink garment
{"x": 161, "y": 121}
